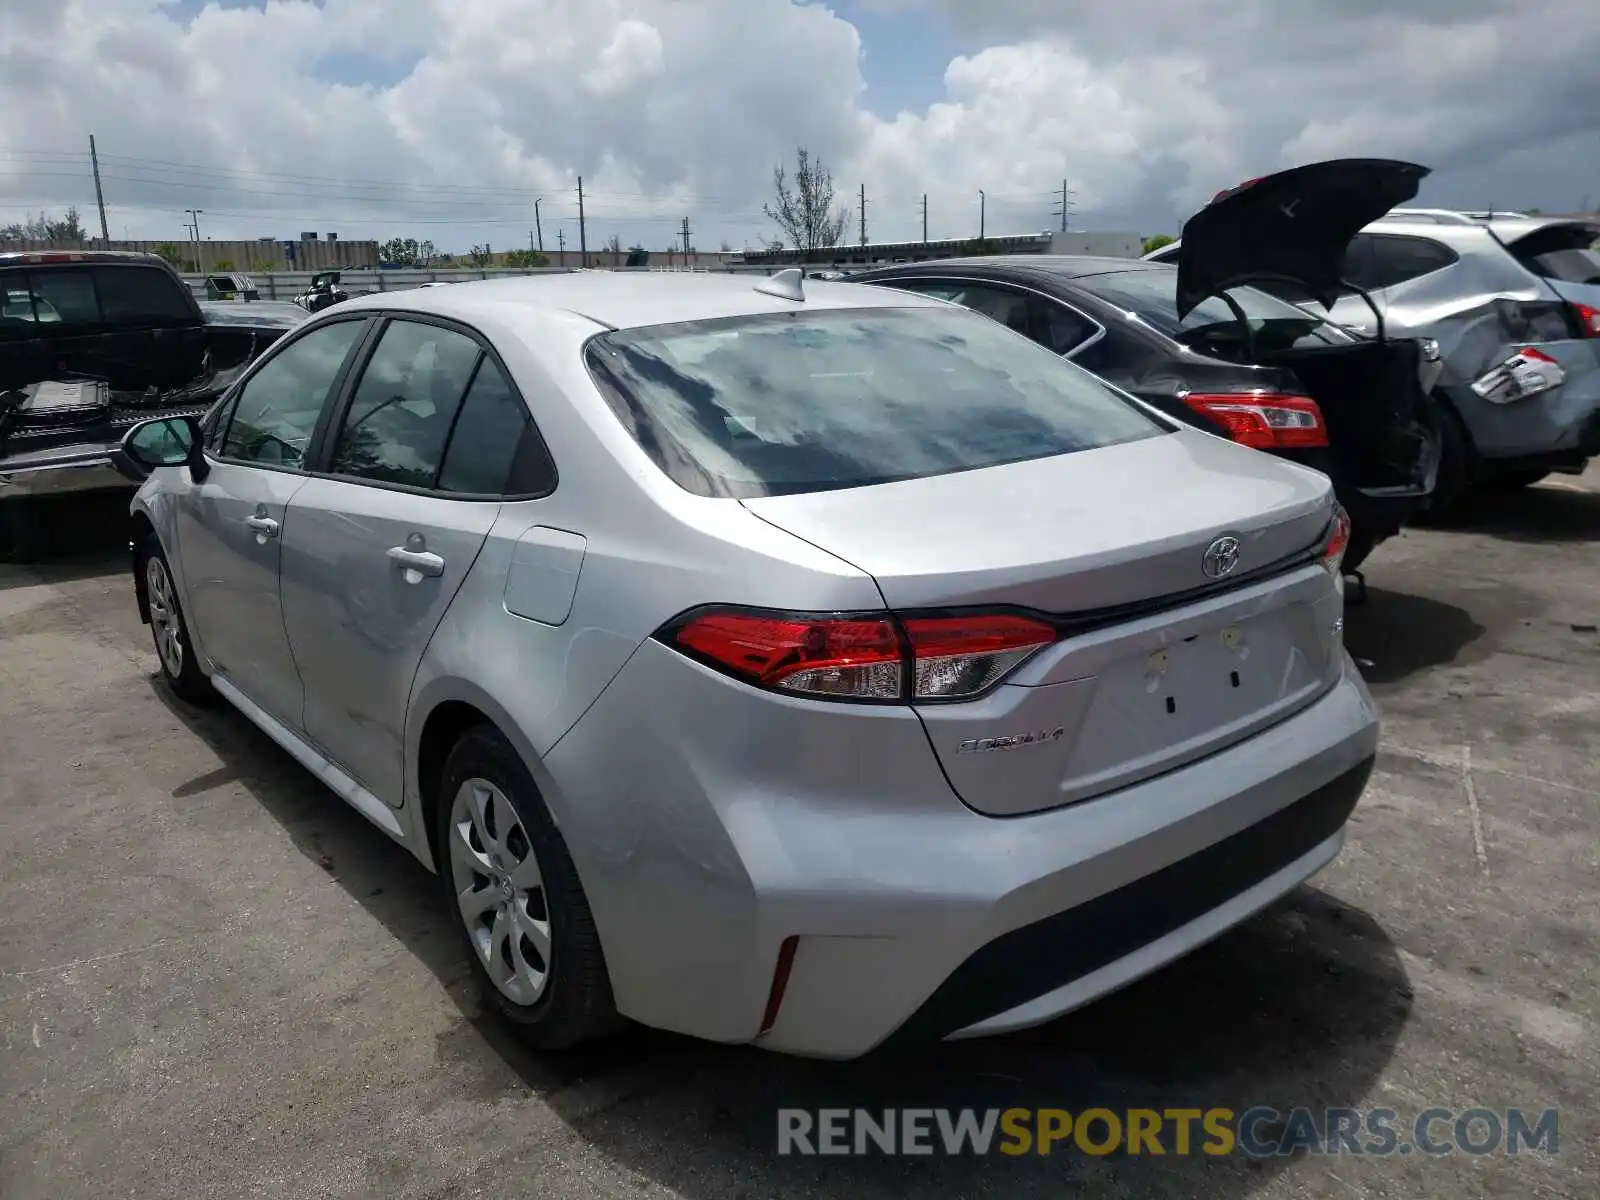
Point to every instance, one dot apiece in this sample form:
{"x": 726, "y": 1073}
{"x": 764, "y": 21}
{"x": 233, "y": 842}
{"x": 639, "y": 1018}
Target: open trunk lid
{"x": 1170, "y": 647}
{"x": 1292, "y": 227}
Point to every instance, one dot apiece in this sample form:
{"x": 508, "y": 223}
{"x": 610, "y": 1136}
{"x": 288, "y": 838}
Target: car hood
{"x": 1292, "y": 226}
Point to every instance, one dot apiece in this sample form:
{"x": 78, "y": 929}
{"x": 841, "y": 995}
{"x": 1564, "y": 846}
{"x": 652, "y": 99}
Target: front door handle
{"x": 424, "y": 562}
{"x": 264, "y": 526}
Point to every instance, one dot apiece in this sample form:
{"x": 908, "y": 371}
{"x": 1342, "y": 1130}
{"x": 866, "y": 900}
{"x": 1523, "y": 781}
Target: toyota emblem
{"x": 1221, "y": 557}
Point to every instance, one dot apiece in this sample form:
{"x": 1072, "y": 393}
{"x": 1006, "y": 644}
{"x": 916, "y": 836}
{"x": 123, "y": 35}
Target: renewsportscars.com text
{"x": 1258, "y": 1132}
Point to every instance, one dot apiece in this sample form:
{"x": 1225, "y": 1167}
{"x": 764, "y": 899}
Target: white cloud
{"x": 673, "y": 108}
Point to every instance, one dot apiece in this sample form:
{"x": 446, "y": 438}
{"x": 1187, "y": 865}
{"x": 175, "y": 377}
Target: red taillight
{"x": 1588, "y": 319}
{"x": 848, "y": 657}
{"x": 1264, "y": 420}
{"x": 1338, "y": 540}
{"x": 863, "y": 657}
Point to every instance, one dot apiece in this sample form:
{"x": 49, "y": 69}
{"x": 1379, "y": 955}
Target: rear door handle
{"x": 264, "y": 526}
{"x": 424, "y": 562}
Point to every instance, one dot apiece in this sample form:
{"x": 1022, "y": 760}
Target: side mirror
{"x": 167, "y": 442}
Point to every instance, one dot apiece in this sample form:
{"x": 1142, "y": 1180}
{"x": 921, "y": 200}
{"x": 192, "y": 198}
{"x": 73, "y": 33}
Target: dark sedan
{"x": 1244, "y": 365}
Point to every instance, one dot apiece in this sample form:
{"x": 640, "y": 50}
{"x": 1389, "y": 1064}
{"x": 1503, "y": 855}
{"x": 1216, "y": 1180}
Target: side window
{"x": 997, "y": 303}
{"x": 1389, "y": 259}
{"x": 405, "y": 405}
{"x": 1058, "y": 327}
{"x": 277, "y": 410}
{"x": 491, "y": 428}
{"x": 64, "y": 300}
{"x": 140, "y": 297}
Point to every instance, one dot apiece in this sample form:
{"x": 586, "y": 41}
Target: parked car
{"x": 90, "y": 343}
{"x": 797, "y": 664}
{"x": 1243, "y": 365}
{"x": 1514, "y": 305}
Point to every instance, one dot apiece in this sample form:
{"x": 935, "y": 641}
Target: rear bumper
{"x": 68, "y": 470}
{"x": 708, "y": 834}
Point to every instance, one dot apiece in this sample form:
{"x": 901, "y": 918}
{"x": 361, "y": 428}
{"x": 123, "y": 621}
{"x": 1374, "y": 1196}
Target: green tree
{"x": 400, "y": 251}
{"x": 526, "y": 258}
{"x": 482, "y": 256}
{"x": 222, "y": 264}
{"x": 805, "y": 211}
{"x": 45, "y": 228}
{"x": 1156, "y": 241}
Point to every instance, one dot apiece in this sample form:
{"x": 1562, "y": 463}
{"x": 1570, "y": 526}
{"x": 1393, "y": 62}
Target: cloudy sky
{"x": 447, "y": 119}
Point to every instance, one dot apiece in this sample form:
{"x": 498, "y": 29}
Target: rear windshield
{"x": 1563, "y": 252}
{"x": 812, "y": 401}
{"x": 1274, "y": 323}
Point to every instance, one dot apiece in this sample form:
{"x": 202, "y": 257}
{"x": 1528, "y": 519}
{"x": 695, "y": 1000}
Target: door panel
{"x": 367, "y": 574}
{"x": 230, "y": 555}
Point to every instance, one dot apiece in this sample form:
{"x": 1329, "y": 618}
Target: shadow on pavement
{"x": 1302, "y": 1005}
{"x": 1396, "y": 634}
{"x": 1551, "y": 513}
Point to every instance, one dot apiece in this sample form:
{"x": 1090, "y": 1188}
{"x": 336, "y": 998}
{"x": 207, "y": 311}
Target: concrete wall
{"x": 251, "y": 257}
{"x": 1106, "y": 244}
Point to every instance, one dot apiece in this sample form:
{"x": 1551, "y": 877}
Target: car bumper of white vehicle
{"x": 791, "y": 890}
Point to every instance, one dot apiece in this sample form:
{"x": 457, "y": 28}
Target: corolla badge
{"x": 1015, "y": 741}
{"x": 1221, "y": 557}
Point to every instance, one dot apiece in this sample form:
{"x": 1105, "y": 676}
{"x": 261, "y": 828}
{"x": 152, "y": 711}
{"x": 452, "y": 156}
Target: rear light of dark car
{"x": 1264, "y": 420}
{"x": 875, "y": 657}
{"x": 1588, "y": 319}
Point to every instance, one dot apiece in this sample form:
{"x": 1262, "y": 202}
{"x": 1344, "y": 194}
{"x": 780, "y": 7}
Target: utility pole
{"x": 99, "y": 196}
{"x": 863, "y": 214}
{"x": 538, "y": 228}
{"x": 983, "y": 206}
{"x": 561, "y": 240}
{"x": 1064, "y": 205}
{"x": 583, "y": 232}
{"x": 686, "y": 241}
{"x": 924, "y": 218}
{"x": 199, "y": 251}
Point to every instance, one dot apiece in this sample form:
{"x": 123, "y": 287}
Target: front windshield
{"x": 1153, "y": 295}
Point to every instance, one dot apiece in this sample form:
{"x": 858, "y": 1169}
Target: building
{"x": 1109, "y": 244}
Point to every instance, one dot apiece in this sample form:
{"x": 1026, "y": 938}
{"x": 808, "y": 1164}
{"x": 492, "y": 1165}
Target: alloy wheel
{"x": 499, "y": 890}
{"x": 162, "y": 597}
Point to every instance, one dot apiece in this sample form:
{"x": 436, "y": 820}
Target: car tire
{"x": 20, "y": 540}
{"x": 514, "y": 896}
{"x": 1456, "y": 456}
{"x": 169, "y": 630}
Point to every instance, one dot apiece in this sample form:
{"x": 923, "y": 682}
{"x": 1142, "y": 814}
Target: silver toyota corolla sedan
{"x": 774, "y": 661}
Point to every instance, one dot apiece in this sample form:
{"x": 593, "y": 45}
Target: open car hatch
{"x": 1293, "y": 227}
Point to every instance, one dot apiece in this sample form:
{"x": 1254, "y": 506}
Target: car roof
{"x": 631, "y": 299}
{"x": 13, "y": 258}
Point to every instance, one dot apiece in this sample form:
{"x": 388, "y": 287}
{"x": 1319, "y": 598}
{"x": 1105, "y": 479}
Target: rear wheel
{"x": 514, "y": 894}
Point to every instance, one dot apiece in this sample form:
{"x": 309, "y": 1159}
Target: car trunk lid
{"x": 1291, "y": 227}
{"x": 1158, "y": 661}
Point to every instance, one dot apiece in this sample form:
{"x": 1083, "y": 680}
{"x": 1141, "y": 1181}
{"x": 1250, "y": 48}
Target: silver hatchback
{"x": 785, "y": 662}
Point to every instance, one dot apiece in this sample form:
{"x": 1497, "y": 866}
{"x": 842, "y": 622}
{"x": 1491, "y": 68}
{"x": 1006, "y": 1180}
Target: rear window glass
{"x": 1569, "y": 266}
{"x": 1153, "y": 295}
{"x": 141, "y": 296}
{"x": 805, "y": 402}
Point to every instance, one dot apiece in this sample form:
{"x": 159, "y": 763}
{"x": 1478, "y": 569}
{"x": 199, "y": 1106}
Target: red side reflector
{"x": 1264, "y": 420}
{"x": 780, "y": 982}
